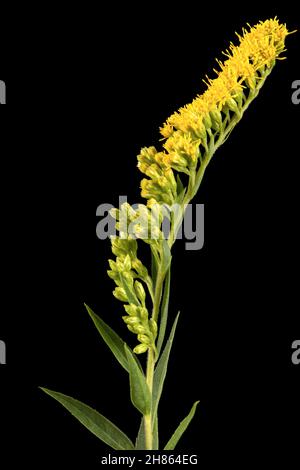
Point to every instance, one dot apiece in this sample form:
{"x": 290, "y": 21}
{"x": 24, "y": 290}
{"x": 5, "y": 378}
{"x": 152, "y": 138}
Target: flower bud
{"x": 140, "y": 268}
{"x": 128, "y": 211}
{"x": 170, "y": 177}
{"x": 144, "y": 339}
{"x": 144, "y": 314}
{"x": 140, "y": 291}
{"x": 131, "y": 320}
{"x": 113, "y": 265}
{"x": 201, "y": 131}
{"x": 120, "y": 294}
{"x": 132, "y": 310}
{"x": 232, "y": 105}
{"x": 116, "y": 251}
{"x": 153, "y": 327}
{"x": 141, "y": 330}
{"x": 153, "y": 171}
{"x": 115, "y": 213}
{"x": 119, "y": 264}
{"x": 113, "y": 274}
{"x": 216, "y": 116}
{"x": 140, "y": 348}
{"x": 131, "y": 328}
{"x": 207, "y": 121}
{"x": 127, "y": 263}
{"x": 151, "y": 202}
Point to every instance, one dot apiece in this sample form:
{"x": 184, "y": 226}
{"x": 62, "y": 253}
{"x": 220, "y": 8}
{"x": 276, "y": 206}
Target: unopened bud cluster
{"x": 130, "y": 275}
{"x": 139, "y": 223}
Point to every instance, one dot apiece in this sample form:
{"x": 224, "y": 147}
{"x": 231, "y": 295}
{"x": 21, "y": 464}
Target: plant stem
{"x": 148, "y": 419}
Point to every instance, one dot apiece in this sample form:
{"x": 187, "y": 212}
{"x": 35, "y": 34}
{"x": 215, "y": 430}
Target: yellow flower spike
{"x": 259, "y": 48}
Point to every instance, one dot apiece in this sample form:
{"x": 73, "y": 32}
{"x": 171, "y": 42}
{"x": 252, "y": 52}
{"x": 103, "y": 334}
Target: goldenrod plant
{"x": 191, "y": 136}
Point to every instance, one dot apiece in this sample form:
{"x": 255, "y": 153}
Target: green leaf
{"x": 139, "y": 391}
{"x": 180, "y": 186}
{"x": 113, "y": 341}
{"x": 153, "y": 265}
{"x": 161, "y": 370}
{"x": 181, "y": 428}
{"x": 166, "y": 256}
{"x": 155, "y": 434}
{"x": 181, "y": 190}
{"x": 140, "y": 440}
{"x": 164, "y": 312}
{"x": 93, "y": 421}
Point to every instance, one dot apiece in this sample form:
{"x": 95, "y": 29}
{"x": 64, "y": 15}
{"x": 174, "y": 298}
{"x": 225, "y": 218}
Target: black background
{"x": 85, "y": 92}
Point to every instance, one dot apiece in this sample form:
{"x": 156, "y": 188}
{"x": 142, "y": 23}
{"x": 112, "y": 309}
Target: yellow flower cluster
{"x": 187, "y": 132}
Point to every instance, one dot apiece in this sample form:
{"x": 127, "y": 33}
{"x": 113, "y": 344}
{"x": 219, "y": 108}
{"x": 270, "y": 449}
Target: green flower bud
{"x": 113, "y": 265}
{"x": 132, "y": 310}
{"x": 144, "y": 314}
{"x": 140, "y": 268}
{"x": 207, "y": 121}
{"x": 113, "y": 275}
{"x": 115, "y": 213}
{"x": 141, "y": 330}
{"x": 119, "y": 265}
{"x": 153, "y": 171}
{"x": 128, "y": 211}
{"x": 201, "y": 131}
{"x": 140, "y": 348}
{"x": 128, "y": 278}
{"x": 140, "y": 291}
{"x": 131, "y": 320}
{"x": 153, "y": 327}
{"x": 216, "y": 116}
{"x": 131, "y": 328}
{"x": 170, "y": 177}
{"x": 144, "y": 339}
{"x": 116, "y": 251}
{"x": 127, "y": 263}
{"x": 232, "y": 105}
{"x": 120, "y": 294}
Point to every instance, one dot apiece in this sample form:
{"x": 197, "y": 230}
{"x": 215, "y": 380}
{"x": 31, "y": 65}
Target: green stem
{"x": 148, "y": 419}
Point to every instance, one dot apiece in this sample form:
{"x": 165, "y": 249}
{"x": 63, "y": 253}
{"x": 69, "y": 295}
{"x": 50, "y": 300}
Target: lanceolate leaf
{"x": 161, "y": 370}
{"x": 113, "y": 341}
{"x": 181, "y": 428}
{"x": 140, "y": 440}
{"x": 139, "y": 390}
{"x": 94, "y": 421}
{"x": 164, "y": 312}
{"x": 181, "y": 190}
{"x": 166, "y": 256}
{"x": 153, "y": 266}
